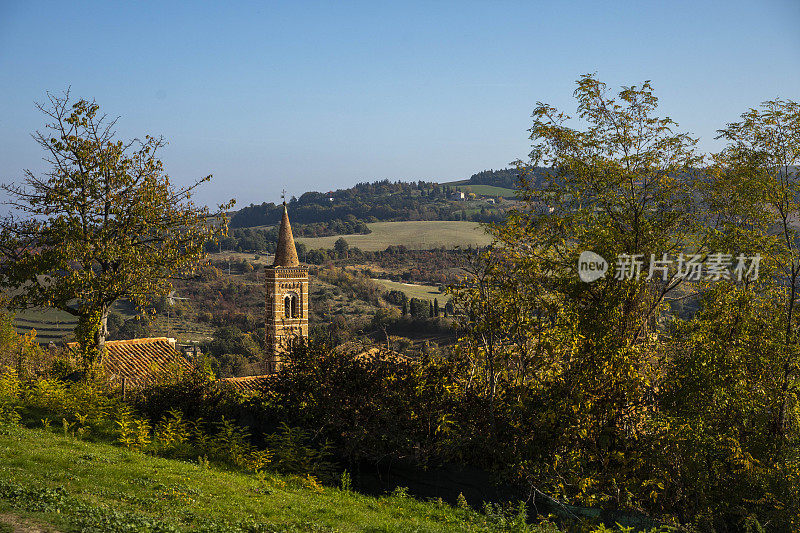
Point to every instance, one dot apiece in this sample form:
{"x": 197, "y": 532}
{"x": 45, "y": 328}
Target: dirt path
{"x": 21, "y": 525}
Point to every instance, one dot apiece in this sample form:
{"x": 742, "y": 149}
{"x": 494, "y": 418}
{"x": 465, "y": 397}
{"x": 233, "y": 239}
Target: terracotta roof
{"x": 286, "y": 252}
{"x": 245, "y": 384}
{"x": 142, "y": 361}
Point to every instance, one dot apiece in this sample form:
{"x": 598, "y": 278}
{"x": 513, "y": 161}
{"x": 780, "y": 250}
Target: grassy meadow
{"x": 413, "y": 290}
{"x": 487, "y": 190}
{"x": 481, "y": 190}
{"x": 414, "y": 235}
{"x": 48, "y": 480}
{"x": 51, "y": 325}
{"x": 54, "y": 325}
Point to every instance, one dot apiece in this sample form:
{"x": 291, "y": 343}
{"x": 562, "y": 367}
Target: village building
{"x": 286, "y": 284}
{"x": 135, "y": 363}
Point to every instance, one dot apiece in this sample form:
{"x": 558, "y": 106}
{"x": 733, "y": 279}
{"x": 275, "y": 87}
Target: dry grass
{"x": 413, "y": 290}
{"x": 414, "y": 235}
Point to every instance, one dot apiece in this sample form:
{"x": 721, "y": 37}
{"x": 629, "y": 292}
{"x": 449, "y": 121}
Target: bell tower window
{"x": 291, "y": 306}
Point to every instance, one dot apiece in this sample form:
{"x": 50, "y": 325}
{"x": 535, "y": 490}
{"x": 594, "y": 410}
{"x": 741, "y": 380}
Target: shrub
{"x": 293, "y": 453}
{"x": 10, "y": 390}
{"x": 73, "y": 400}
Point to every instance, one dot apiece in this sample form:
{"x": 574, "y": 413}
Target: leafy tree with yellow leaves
{"x": 762, "y": 160}
{"x": 619, "y": 181}
{"x": 104, "y": 222}
{"x": 613, "y": 398}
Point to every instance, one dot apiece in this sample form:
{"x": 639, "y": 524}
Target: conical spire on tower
{"x": 286, "y": 253}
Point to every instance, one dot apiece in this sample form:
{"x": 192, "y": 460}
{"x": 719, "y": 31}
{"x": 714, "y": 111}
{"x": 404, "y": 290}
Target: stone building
{"x": 136, "y": 363}
{"x": 286, "y": 284}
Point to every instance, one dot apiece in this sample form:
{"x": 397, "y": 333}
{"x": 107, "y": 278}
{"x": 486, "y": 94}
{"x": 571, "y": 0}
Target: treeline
{"x": 367, "y": 202}
{"x": 509, "y": 177}
{"x": 264, "y": 240}
{"x": 348, "y": 226}
{"x": 418, "y": 307}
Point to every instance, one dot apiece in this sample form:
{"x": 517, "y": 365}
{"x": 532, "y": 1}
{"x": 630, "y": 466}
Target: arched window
{"x": 291, "y": 305}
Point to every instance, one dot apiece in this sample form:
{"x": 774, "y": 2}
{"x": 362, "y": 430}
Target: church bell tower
{"x": 287, "y": 297}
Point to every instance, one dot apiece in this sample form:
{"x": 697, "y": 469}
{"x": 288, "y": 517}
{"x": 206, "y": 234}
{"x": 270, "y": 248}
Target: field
{"x": 414, "y": 235}
{"x": 47, "y": 479}
{"x": 487, "y": 190}
{"x": 481, "y": 190}
{"x": 412, "y": 290}
{"x": 54, "y": 326}
{"x": 51, "y": 325}
{"x": 261, "y": 259}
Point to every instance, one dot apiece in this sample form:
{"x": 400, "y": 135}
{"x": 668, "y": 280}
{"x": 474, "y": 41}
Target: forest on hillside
{"x": 379, "y": 201}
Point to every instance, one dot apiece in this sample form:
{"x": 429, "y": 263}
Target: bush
{"x": 354, "y": 397}
{"x": 293, "y": 453}
{"x": 10, "y": 390}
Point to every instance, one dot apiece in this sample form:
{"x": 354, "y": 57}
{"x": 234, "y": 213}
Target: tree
{"x": 618, "y": 180}
{"x": 761, "y": 160}
{"x": 341, "y": 247}
{"x": 21, "y": 352}
{"x": 419, "y": 308}
{"x": 104, "y": 222}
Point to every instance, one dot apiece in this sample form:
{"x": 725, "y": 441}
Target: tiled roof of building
{"x": 142, "y": 361}
{"x": 246, "y": 384}
{"x": 286, "y": 252}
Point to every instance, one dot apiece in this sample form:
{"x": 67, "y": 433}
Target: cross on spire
{"x": 283, "y": 195}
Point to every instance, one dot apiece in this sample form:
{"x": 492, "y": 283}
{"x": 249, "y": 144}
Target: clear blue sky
{"x": 320, "y": 95}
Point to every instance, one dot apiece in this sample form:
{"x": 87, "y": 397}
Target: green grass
{"x": 54, "y": 325}
{"x": 50, "y": 324}
{"x": 81, "y": 486}
{"x": 484, "y": 190}
{"x": 414, "y": 235}
{"x": 487, "y": 190}
{"x": 412, "y": 290}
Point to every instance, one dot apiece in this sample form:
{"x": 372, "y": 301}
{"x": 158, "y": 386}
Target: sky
{"x": 321, "y": 95}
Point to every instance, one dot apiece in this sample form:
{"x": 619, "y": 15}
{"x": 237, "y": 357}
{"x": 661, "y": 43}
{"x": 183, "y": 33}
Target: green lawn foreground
{"x": 75, "y": 485}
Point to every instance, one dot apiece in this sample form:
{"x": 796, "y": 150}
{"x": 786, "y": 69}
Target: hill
{"x": 486, "y": 190}
{"x": 51, "y": 481}
{"x": 416, "y": 235}
{"x": 506, "y": 178}
{"x": 380, "y": 201}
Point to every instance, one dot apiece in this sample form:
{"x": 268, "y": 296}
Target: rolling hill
{"x": 416, "y": 235}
